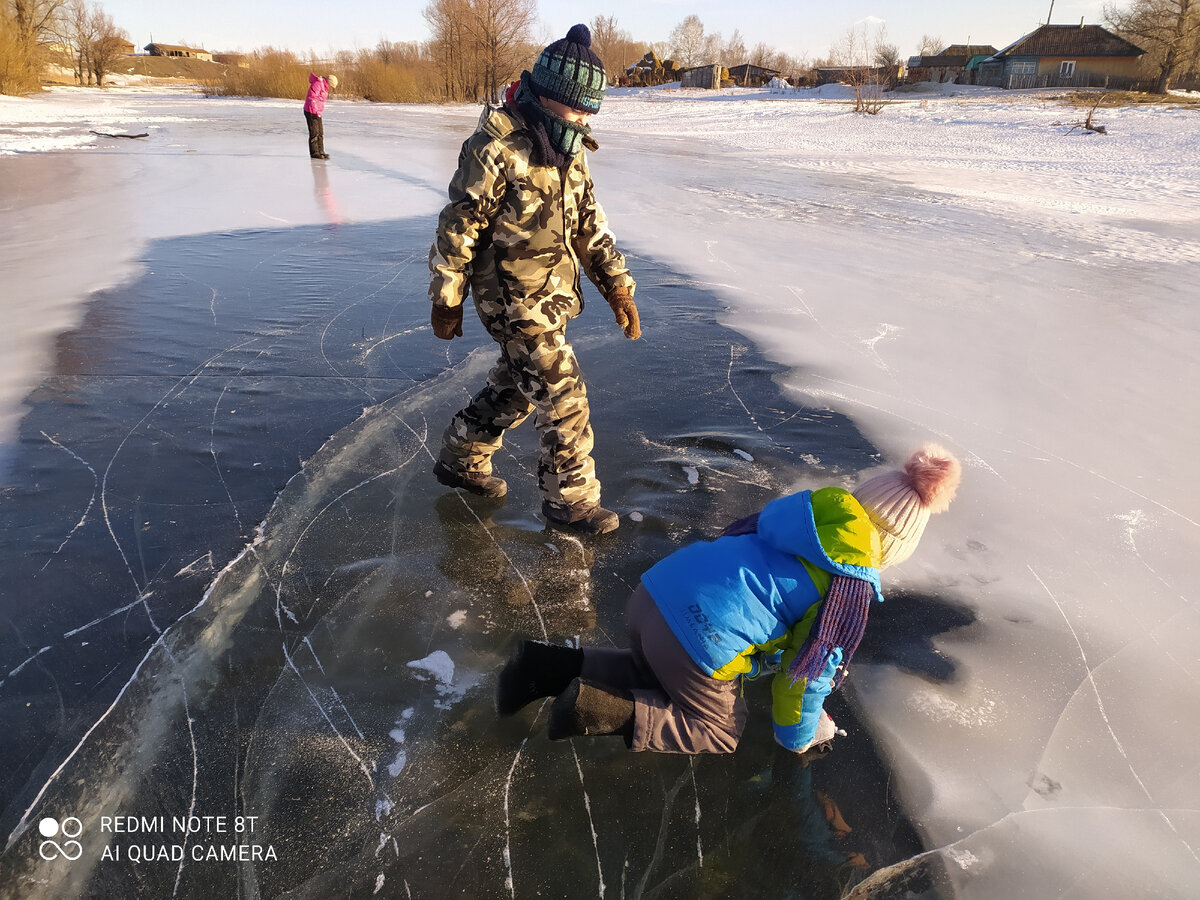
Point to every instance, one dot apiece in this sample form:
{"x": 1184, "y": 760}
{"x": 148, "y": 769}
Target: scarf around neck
{"x": 841, "y": 622}
{"x": 556, "y": 141}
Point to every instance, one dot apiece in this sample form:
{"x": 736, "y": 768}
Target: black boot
{"x": 592, "y": 520}
{"x": 474, "y": 482}
{"x": 587, "y": 708}
{"x": 535, "y": 670}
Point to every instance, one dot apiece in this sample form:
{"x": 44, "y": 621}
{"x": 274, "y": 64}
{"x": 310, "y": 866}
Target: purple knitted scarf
{"x": 840, "y": 623}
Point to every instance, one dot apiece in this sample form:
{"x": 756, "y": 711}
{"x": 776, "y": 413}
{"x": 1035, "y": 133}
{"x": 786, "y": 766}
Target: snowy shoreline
{"x": 959, "y": 267}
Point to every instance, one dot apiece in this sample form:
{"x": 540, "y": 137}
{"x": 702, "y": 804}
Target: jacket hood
{"x": 829, "y": 528}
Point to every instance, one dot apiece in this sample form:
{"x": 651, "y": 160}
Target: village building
{"x": 1064, "y": 56}
{"x": 178, "y": 50}
{"x": 954, "y": 65}
{"x": 750, "y": 75}
{"x": 708, "y": 77}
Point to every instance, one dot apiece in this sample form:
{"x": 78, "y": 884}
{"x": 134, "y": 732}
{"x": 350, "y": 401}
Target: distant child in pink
{"x": 319, "y": 87}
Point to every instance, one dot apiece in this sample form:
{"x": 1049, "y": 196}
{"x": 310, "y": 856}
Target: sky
{"x": 804, "y": 28}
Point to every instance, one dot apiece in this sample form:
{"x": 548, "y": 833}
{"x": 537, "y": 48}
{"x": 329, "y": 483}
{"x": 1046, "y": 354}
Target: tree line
{"x": 477, "y": 47}
{"x": 38, "y": 33}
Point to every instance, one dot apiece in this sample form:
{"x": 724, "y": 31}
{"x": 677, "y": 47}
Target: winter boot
{"x": 587, "y": 708}
{"x": 474, "y": 482}
{"x": 592, "y": 520}
{"x": 535, "y": 670}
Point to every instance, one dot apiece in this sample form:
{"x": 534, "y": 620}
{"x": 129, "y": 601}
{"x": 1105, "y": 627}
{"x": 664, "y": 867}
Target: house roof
{"x": 1070, "y": 40}
{"x": 748, "y": 68}
{"x": 939, "y": 61}
{"x": 968, "y": 50}
{"x": 159, "y": 46}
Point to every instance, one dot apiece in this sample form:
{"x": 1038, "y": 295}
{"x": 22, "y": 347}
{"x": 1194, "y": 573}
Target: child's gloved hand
{"x": 822, "y": 741}
{"x": 447, "y": 321}
{"x": 626, "y": 313}
{"x": 826, "y": 730}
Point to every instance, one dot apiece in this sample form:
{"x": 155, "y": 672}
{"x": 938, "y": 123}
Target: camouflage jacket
{"x": 518, "y": 234}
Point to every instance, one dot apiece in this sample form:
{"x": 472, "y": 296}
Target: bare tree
{"x": 887, "y": 55}
{"x": 75, "y": 31}
{"x": 687, "y": 41}
{"x": 479, "y": 45}
{"x": 714, "y": 49}
{"x": 615, "y": 46}
{"x": 661, "y": 49}
{"x": 1169, "y": 30}
{"x": 18, "y": 57}
{"x": 452, "y": 50}
{"x": 36, "y": 20}
{"x": 501, "y": 33}
{"x": 108, "y": 44}
{"x": 762, "y": 55}
{"x": 735, "y": 49}
{"x": 856, "y": 54}
{"x": 930, "y": 45}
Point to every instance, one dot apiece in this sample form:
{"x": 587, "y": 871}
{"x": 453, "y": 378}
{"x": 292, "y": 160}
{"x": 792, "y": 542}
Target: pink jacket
{"x": 318, "y": 91}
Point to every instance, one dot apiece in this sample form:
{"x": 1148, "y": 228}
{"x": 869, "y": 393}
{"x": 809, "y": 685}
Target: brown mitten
{"x": 447, "y": 321}
{"x": 626, "y": 313}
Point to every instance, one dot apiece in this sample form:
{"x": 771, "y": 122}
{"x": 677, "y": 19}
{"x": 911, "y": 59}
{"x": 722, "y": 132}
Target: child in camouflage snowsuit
{"x": 521, "y": 224}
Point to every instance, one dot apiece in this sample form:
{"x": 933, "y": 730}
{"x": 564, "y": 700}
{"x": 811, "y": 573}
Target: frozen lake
{"x": 233, "y": 589}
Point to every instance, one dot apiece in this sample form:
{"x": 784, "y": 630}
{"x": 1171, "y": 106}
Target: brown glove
{"x": 447, "y": 321}
{"x": 626, "y": 312}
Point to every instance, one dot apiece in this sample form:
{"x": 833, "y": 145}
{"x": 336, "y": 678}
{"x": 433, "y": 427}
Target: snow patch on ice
{"x": 457, "y": 619}
{"x": 693, "y": 474}
{"x": 743, "y": 454}
{"x": 964, "y": 858}
{"x": 941, "y": 708}
{"x": 398, "y": 764}
{"x": 438, "y": 664}
{"x": 440, "y": 667}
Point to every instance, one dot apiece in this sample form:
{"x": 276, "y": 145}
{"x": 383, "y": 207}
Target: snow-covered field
{"x": 965, "y": 266}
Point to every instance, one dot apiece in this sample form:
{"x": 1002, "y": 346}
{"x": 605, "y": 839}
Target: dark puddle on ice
{"x": 333, "y": 681}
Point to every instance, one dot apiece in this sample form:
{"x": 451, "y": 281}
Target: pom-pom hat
{"x": 900, "y": 502}
{"x": 570, "y": 73}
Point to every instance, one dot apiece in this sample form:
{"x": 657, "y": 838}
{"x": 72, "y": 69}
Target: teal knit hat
{"x": 569, "y": 72}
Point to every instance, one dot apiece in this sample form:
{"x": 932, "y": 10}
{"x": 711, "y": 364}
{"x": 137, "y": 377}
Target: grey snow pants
{"x": 678, "y": 708}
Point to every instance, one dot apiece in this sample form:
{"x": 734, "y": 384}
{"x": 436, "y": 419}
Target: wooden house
{"x": 708, "y": 77}
{"x": 750, "y": 75}
{"x": 1064, "y": 56}
{"x": 955, "y": 64}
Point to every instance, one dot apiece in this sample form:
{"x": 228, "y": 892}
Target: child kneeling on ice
{"x": 787, "y": 588}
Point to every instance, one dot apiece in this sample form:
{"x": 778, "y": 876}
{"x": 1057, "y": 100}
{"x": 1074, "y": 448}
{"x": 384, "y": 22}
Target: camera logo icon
{"x": 69, "y": 828}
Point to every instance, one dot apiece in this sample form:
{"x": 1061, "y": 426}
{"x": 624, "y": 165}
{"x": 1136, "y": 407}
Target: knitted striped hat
{"x": 570, "y": 73}
{"x": 899, "y": 503}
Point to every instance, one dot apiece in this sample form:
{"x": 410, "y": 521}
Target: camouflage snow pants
{"x": 536, "y": 374}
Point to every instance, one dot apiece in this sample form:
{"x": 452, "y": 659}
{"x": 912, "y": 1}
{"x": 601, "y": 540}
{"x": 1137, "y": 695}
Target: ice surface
{"x": 222, "y": 546}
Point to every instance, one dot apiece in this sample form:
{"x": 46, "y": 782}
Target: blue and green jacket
{"x": 739, "y": 601}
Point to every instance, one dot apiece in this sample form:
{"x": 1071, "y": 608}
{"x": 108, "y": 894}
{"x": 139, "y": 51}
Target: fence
{"x": 1078, "y": 80}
